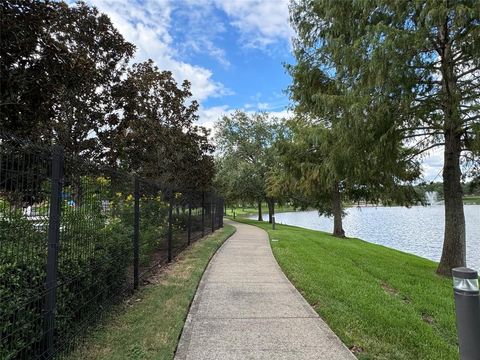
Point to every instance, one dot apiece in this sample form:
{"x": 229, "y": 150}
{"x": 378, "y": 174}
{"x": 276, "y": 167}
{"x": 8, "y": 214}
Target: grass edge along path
{"x": 149, "y": 325}
{"x": 382, "y": 303}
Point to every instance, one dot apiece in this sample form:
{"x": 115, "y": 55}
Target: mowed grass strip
{"x": 148, "y": 325}
{"x": 382, "y": 303}
{"x": 248, "y": 211}
{"x": 471, "y": 200}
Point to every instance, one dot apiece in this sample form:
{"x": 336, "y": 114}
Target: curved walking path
{"x": 245, "y": 308}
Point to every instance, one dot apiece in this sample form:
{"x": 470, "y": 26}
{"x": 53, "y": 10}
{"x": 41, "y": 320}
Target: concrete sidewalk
{"x": 245, "y": 308}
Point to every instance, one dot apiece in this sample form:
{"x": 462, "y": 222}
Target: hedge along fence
{"x": 75, "y": 238}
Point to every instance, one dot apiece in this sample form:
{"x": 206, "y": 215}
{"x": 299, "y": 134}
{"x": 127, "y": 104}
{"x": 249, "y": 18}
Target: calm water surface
{"x": 417, "y": 230}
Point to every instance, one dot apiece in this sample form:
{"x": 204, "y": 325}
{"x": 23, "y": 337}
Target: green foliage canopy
{"x": 58, "y": 66}
{"x": 247, "y": 154}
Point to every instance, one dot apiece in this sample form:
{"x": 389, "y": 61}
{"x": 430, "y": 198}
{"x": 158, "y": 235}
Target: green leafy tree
{"x": 322, "y": 170}
{"x": 152, "y": 133}
{"x": 237, "y": 181}
{"x": 314, "y": 168}
{"x": 245, "y": 143}
{"x": 411, "y": 69}
{"x": 328, "y": 159}
{"x": 58, "y": 66}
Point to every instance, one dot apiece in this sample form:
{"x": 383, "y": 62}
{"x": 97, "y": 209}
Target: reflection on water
{"x": 416, "y": 230}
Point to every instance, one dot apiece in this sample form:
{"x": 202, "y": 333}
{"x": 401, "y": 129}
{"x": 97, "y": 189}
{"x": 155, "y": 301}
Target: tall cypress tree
{"x": 330, "y": 157}
{"x": 412, "y": 69}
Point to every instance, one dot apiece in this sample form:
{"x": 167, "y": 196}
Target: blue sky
{"x": 232, "y": 51}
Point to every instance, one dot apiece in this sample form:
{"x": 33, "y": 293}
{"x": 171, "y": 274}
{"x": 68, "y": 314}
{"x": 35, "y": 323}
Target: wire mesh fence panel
{"x": 219, "y": 212}
{"x": 95, "y": 255}
{"x": 181, "y": 221}
{"x": 153, "y": 246}
{"x": 207, "y": 206}
{"x": 75, "y": 238}
{"x": 24, "y": 212}
{"x": 196, "y": 209}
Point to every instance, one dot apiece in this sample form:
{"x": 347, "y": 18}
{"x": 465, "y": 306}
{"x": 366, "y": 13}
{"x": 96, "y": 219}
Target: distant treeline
{"x": 470, "y": 188}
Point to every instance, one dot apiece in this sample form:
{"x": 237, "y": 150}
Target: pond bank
{"x": 417, "y": 230}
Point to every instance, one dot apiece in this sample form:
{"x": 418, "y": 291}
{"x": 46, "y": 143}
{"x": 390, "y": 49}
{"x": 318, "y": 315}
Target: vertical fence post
{"x": 212, "y": 210}
{"x": 52, "y": 252}
{"x": 189, "y": 229}
{"x": 136, "y": 231}
{"x": 170, "y": 221}
{"x": 219, "y": 211}
{"x": 222, "y": 204}
{"x": 203, "y": 213}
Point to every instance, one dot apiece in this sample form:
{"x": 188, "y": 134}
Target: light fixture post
{"x": 467, "y": 307}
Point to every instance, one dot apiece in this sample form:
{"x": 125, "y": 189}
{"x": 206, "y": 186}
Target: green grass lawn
{"x": 247, "y": 211}
{"x": 471, "y": 200}
{"x": 385, "y": 303}
{"x": 148, "y": 326}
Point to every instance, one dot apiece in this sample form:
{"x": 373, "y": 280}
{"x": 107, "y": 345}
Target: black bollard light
{"x": 273, "y": 222}
{"x": 467, "y": 307}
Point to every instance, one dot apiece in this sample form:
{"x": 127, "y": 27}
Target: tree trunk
{"x": 78, "y": 192}
{"x": 454, "y": 253}
{"x": 454, "y": 244}
{"x": 260, "y": 218}
{"x": 271, "y": 210}
{"x": 337, "y": 212}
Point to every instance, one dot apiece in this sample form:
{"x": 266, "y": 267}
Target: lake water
{"x": 417, "y": 230}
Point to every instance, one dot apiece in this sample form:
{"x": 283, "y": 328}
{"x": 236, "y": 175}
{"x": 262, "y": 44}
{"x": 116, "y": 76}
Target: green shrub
{"x": 94, "y": 256}
{"x": 153, "y": 228}
{"x": 94, "y": 259}
{"x": 22, "y": 279}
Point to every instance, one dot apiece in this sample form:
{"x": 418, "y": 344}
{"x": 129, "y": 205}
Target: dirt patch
{"x": 388, "y": 289}
{"x": 356, "y": 350}
{"x": 429, "y": 319}
{"x": 179, "y": 268}
{"x": 159, "y": 274}
{"x": 394, "y": 292}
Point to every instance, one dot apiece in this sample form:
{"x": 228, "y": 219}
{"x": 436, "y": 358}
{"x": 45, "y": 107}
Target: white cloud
{"x": 261, "y": 22}
{"x": 204, "y": 27}
{"x": 147, "y": 24}
{"x": 286, "y": 114}
{"x": 263, "y": 106}
{"x": 432, "y": 165}
{"x": 208, "y": 116}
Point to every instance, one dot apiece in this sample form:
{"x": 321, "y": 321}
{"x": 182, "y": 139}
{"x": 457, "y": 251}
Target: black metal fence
{"x": 75, "y": 238}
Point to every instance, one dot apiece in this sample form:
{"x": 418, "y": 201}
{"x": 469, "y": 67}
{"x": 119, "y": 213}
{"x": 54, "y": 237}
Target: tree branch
{"x": 420, "y": 152}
